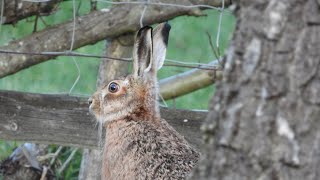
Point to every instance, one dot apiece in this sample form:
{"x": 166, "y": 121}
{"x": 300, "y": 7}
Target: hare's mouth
{"x": 90, "y": 109}
{"x": 93, "y": 107}
{"x": 90, "y": 102}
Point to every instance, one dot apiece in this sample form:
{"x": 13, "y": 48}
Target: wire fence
{"x": 145, "y": 4}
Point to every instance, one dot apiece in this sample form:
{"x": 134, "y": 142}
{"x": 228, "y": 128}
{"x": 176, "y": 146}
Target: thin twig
{"x": 55, "y": 156}
{"x": 78, "y": 8}
{"x": 78, "y": 77}
{"x": 44, "y": 173}
{"x": 174, "y": 103}
{"x": 43, "y": 21}
{"x": 45, "y": 157}
{"x": 143, "y": 13}
{"x": 163, "y": 101}
{"x": 35, "y": 23}
{"x": 219, "y": 25}
{"x": 71, "y": 47}
{"x": 219, "y": 30}
{"x": 212, "y": 46}
{"x": 74, "y": 24}
{"x": 1, "y": 14}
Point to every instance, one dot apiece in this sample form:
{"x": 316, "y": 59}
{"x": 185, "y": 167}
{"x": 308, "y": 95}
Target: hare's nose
{"x": 90, "y": 101}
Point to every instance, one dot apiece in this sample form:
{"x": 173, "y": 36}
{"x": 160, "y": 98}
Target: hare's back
{"x": 164, "y": 153}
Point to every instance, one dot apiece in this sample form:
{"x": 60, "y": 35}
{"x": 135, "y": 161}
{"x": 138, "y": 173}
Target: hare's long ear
{"x": 142, "y": 51}
{"x": 160, "y": 42}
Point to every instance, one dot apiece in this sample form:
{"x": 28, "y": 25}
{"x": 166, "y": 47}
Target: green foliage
{"x": 6, "y": 148}
{"x": 188, "y": 42}
{"x": 72, "y": 171}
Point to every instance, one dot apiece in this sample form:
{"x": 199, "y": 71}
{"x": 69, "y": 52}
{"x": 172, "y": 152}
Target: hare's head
{"x": 135, "y": 96}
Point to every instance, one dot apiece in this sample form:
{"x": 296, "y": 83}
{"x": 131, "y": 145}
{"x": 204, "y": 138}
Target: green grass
{"x": 188, "y": 42}
{"x": 6, "y": 148}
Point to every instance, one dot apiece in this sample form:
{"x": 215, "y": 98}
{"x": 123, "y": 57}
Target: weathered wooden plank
{"x": 65, "y": 120}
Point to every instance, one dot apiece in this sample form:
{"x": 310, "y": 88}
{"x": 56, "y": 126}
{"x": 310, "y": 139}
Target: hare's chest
{"x": 137, "y": 150}
{"x": 120, "y": 158}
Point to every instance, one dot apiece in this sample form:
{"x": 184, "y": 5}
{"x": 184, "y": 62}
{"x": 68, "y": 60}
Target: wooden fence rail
{"x": 65, "y": 120}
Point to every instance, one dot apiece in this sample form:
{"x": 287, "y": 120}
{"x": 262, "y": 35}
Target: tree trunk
{"x": 120, "y": 47}
{"x": 264, "y": 118}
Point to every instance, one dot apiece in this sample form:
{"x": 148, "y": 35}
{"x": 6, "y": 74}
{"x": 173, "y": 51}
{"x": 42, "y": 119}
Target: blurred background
{"x": 188, "y": 42}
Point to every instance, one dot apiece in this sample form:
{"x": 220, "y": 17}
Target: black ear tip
{"x": 167, "y": 26}
{"x": 165, "y": 33}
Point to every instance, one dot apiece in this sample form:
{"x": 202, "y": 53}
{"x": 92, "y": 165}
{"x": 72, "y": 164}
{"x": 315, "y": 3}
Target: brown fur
{"x": 139, "y": 144}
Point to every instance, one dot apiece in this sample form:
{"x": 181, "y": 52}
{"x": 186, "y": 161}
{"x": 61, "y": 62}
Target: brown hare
{"x": 139, "y": 144}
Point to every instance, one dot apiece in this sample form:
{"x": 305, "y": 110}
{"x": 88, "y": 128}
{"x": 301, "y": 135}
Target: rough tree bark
{"x": 264, "y": 119}
{"x": 90, "y": 29}
{"x": 19, "y": 9}
{"x": 120, "y": 47}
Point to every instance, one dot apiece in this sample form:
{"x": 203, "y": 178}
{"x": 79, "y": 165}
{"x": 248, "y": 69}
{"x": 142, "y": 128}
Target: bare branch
{"x": 44, "y": 173}
{"x": 90, "y": 29}
{"x": 188, "y": 82}
{"x": 20, "y": 9}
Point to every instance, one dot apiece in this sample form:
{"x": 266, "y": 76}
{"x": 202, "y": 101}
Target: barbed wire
{"x": 160, "y": 4}
{"x": 174, "y": 63}
{"x": 36, "y": 1}
{"x": 189, "y": 63}
{"x": 71, "y": 47}
{"x": 70, "y": 53}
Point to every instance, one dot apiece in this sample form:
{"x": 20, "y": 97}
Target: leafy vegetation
{"x": 188, "y": 42}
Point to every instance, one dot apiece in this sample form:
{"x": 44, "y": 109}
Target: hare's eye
{"x": 113, "y": 87}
